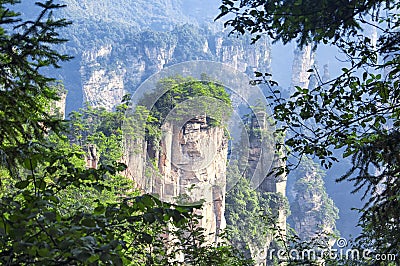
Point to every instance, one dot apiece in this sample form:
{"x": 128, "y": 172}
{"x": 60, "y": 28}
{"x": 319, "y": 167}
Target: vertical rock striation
{"x": 188, "y": 167}
{"x": 109, "y": 71}
{"x": 302, "y": 62}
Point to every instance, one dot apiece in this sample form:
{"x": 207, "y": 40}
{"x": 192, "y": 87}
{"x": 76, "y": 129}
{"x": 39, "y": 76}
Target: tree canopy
{"x": 302, "y": 20}
{"x": 25, "y": 93}
{"x": 356, "y": 114}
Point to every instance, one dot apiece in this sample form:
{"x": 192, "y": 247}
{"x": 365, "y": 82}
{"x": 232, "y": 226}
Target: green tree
{"x": 251, "y": 215}
{"x": 179, "y": 89}
{"x": 179, "y": 97}
{"x": 356, "y": 113}
{"x": 101, "y": 128}
{"x": 25, "y": 93}
{"x": 42, "y": 222}
{"x": 244, "y": 214}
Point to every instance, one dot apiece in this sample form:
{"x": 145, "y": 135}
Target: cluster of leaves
{"x": 179, "y": 89}
{"x": 356, "y": 112}
{"x": 303, "y": 20}
{"x": 101, "y": 128}
{"x": 190, "y": 241}
{"x": 37, "y": 227}
{"x": 102, "y": 131}
{"x": 24, "y": 99}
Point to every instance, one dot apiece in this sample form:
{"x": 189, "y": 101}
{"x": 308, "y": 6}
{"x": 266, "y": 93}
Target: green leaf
{"x": 147, "y": 238}
{"x": 22, "y": 184}
{"x": 43, "y": 252}
{"x": 149, "y": 218}
{"x": 88, "y": 222}
{"x": 30, "y": 163}
{"x": 50, "y": 216}
{"x": 100, "y": 209}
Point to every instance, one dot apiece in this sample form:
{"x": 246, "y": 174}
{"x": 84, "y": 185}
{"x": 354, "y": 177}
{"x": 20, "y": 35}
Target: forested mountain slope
{"x": 118, "y": 46}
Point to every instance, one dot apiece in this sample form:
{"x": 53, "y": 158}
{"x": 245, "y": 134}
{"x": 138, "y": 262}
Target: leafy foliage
{"x": 190, "y": 45}
{"x": 357, "y": 112}
{"x": 100, "y": 128}
{"x": 25, "y": 52}
{"x": 54, "y": 210}
{"x": 179, "y": 89}
{"x": 250, "y": 214}
{"x": 306, "y": 21}
{"x": 244, "y": 212}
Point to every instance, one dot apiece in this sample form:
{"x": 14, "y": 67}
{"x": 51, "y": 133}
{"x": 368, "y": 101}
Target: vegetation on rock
{"x": 357, "y": 112}
{"x": 55, "y": 210}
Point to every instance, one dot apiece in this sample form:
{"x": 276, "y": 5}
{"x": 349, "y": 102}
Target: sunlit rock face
{"x": 107, "y": 72}
{"x": 192, "y": 162}
{"x": 188, "y": 167}
{"x": 105, "y": 79}
{"x": 303, "y": 61}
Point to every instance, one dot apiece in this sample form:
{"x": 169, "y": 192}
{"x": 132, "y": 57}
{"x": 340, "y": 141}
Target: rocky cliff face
{"x": 312, "y": 211}
{"x": 188, "y": 167}
{"x": 113, "y": 56}
{"x": 303, "y": 61}
{"x": 264, "y": 153}
{"x": 242, "y": 55}
{"x": 109, "y": 71}
{"x": 102, "y": 86}
{"x": 192, "y": 162}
